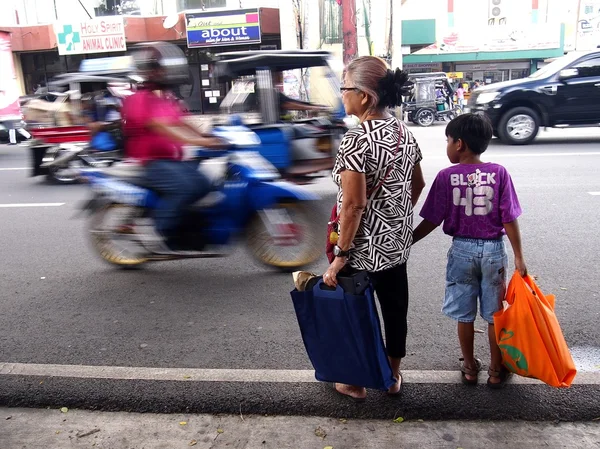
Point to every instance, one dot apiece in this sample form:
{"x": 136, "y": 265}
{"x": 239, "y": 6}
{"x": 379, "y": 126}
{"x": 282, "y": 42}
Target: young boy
{"x": 478, "y": 204}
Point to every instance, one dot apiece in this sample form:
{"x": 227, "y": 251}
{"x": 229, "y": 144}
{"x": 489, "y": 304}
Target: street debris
{"x": 399, "y": 420}
{"x": 320, "y": 432}
{"x": 64, "y": 409}
{"x": 87, "y": 434}
{"x": 182, "y": 423}
{"x": 220, "y": 431}
{"x": 192, "y": 443}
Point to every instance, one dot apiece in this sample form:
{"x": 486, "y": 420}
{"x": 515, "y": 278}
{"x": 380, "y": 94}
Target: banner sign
{"x": 9, "y": 90}
{"x": 496, "y": 38}
{"x": 98, "y": 35}
{"x": 237, "y": 27}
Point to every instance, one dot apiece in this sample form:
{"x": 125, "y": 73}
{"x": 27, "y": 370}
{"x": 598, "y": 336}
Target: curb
{"x": 433, "y": 395}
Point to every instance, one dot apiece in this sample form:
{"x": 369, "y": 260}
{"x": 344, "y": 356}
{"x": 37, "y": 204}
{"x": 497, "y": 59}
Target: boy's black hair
{"x": 475, "y": 130}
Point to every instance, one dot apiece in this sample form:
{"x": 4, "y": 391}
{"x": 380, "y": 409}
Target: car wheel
{"x": 425, "y": 117}
{"x": 519, "y": 126}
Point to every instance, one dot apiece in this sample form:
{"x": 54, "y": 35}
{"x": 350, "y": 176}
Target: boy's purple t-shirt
{"x": 473, "y": 201}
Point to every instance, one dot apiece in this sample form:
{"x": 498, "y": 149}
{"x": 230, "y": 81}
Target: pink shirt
{"x": 141, "y": 142}
{"x": 460, "y": 93}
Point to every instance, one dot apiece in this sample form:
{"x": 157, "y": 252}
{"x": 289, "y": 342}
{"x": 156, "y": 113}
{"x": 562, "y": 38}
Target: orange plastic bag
{"x": 529, "y": 335}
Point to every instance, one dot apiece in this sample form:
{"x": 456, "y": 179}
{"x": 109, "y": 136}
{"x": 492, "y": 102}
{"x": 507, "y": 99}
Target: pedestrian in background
{"x": 460, "y": 97}
{"x": 477, "y": 204}
{"x": 378, "y": 173}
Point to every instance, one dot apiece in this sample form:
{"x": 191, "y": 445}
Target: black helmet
{"x": 161, "y": 63}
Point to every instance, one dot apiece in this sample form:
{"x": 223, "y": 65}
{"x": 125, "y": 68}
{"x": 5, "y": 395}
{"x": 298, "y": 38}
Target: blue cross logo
{"x": 68, "y": 37}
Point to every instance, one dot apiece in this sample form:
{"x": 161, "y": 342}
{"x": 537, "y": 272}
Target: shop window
{"x": 200, "y": 4}
{"x": 331, "y": 22}
{"x": 55, "y": 62}
{"x": 591, "y": 67}
{"x": 73, "y": 62}
{"x": 32, "y": 62}
{"x": 516, "y": 74}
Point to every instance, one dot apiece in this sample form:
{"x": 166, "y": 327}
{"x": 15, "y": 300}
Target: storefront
{"x": 62, "y": 47}
{"x": 489, "y": 73}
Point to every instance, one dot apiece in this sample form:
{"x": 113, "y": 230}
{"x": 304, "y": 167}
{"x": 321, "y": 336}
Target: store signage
{"x": 495, "y": 39}
{"x": 455, "y": 75}
{"x": 588, "y": 25}
{"x": 9, "y": 90}
{"x": 99, "y": 35}
{"x": 207, "y": 29}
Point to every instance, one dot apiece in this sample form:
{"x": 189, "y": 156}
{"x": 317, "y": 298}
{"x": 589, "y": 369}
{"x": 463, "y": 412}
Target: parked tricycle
{"x": 60, "y": 143}
{"x": 432, "y": 99}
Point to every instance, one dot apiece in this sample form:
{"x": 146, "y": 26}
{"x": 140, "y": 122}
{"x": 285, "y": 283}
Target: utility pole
{"x": 577, "y": 24}
{"x": 349, "y": 31}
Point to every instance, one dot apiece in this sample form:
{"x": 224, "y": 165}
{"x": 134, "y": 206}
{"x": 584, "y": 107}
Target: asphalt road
{"x": 62, "y": 305}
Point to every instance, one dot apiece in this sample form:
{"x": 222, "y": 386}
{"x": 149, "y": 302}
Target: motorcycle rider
{"x": 155, "y": 134}
{"x": 100, "y": 114}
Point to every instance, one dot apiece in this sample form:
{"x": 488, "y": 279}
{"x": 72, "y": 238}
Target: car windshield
{"x": 555, "y": 66}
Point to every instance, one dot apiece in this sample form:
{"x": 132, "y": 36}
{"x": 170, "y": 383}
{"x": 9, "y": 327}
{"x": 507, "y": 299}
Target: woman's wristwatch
{"x": 339, "y": 252}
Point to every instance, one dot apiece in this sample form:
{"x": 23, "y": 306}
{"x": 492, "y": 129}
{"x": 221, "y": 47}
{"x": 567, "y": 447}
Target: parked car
{"x": 564, "y": 93}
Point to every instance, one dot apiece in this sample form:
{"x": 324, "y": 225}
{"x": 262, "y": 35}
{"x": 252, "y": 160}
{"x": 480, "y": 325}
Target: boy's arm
{"x": 514, "y": 235}
{"x": 423, "y": 230}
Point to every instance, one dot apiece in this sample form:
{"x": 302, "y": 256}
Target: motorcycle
{"x": 248, "y": 199}
{"x": 62, "y": 164}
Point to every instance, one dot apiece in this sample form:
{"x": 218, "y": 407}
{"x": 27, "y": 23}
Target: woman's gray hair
{"x": 383, "y": 86}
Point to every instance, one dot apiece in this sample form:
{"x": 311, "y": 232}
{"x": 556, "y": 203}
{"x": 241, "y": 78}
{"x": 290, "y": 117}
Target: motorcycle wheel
{"x": 68, "y": 174}
{"x": 301, "y": 247}
{"x": 122, "y": 252}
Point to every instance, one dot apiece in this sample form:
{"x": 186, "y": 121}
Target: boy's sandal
{"x": 503, "y": 375}
{"x": 465, "y": 371}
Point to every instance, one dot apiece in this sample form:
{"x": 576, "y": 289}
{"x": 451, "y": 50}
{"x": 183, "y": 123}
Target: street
{"x": 61, "y": 305}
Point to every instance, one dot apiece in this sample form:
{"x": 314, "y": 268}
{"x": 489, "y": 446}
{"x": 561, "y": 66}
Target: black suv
{"x": 566, "y": 92}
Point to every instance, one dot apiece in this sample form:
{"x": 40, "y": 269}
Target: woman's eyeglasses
{"x": 346, "y": 89}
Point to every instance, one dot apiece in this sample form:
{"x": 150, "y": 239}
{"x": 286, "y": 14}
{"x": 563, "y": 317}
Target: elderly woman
{"x": 379, "y": 178}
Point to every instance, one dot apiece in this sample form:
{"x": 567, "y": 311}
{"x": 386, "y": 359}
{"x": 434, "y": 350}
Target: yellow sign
{"x": 455, "y": 75}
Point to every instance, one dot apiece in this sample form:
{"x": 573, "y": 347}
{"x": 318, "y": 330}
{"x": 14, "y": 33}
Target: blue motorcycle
{"x": 248, "y": 200}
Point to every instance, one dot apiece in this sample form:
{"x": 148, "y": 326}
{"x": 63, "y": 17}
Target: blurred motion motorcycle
{"x": 247, "y": 200}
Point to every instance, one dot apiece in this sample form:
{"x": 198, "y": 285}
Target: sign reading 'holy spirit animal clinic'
{"x": 207, "y": 29}
{"x": 99, "y": 35}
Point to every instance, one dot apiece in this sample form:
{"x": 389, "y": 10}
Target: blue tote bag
{"x": 342, "y": 336}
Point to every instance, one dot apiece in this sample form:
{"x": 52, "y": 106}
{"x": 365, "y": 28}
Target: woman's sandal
{"x": 397, "y": 393}
{"x": 503, "y": 375}
{"x": 465, "y": 371}
{"x": 352, "y": 398}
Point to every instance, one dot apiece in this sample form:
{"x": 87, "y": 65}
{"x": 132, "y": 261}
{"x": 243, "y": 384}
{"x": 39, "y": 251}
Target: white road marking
{"x": 237, "y": 375}
{"x": 492, "y": 155}
{"x": 594, "y": 193}
{"x": 13, "y": 168}
{"x": 33, "y": 205}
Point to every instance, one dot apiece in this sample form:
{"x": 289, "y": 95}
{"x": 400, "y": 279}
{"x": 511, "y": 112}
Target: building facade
{"x": 43, "y": 50}
{"x": 489, "y": 40}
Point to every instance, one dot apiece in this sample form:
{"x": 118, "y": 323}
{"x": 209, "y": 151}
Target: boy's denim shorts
{"x": 476, "y": 268}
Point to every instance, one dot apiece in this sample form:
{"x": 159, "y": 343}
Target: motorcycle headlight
{"x": 487, "y": 97}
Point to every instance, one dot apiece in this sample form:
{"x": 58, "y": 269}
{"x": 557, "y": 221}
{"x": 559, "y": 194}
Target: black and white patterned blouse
{"x": 384, "y": 235}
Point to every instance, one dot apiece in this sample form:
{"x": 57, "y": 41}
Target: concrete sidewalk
{"x": 52, "y": 428}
